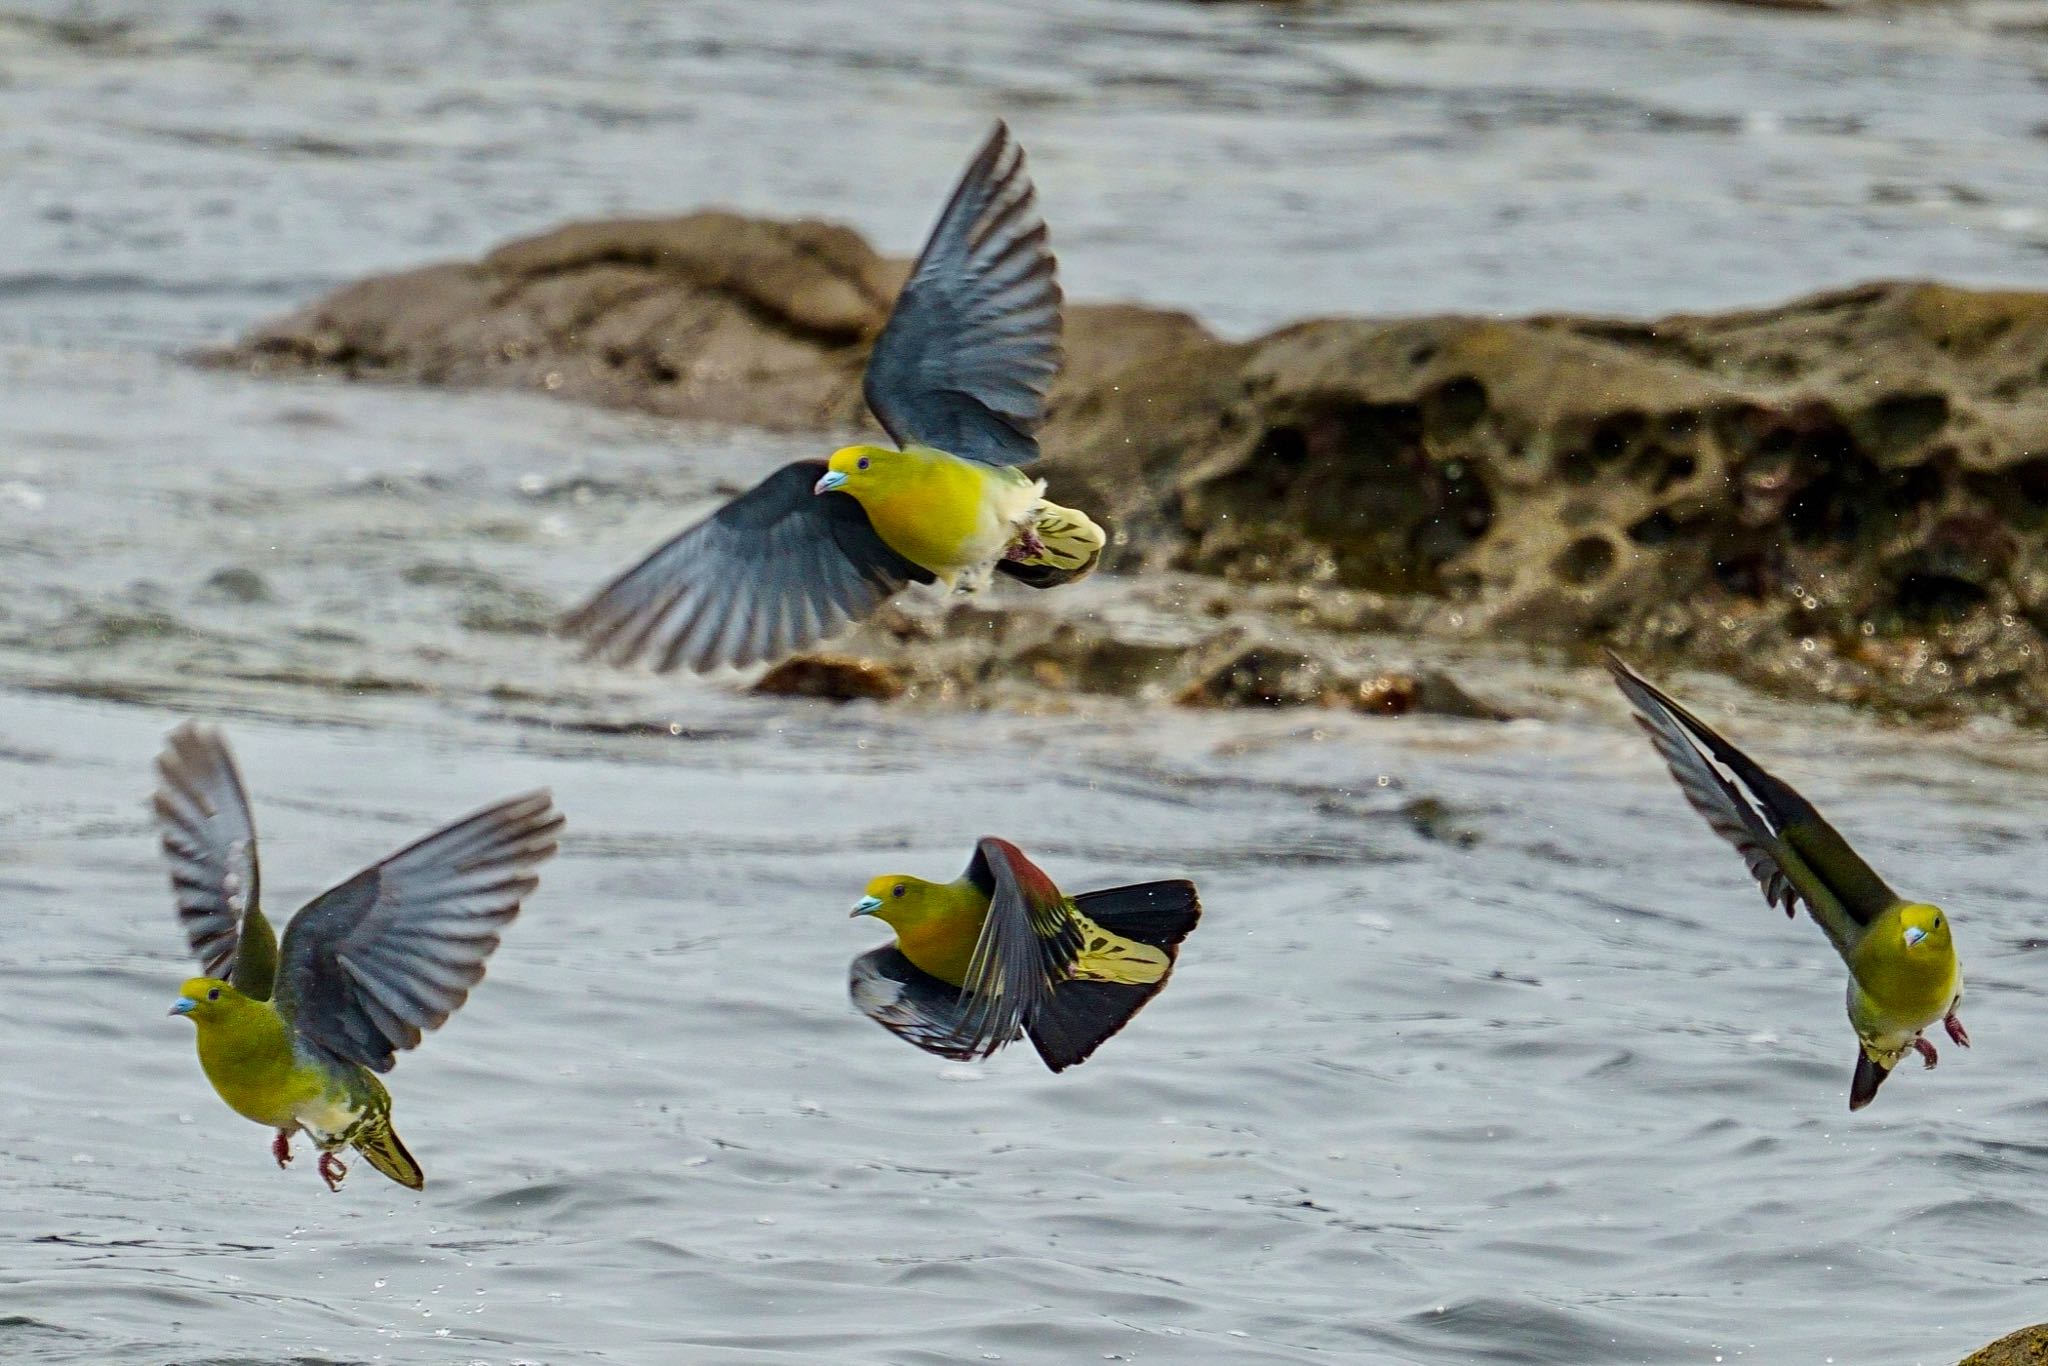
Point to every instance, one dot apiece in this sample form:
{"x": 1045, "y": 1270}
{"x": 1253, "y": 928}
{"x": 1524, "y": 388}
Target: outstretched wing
{"x": 209, "y": 837}
{"x": 393, "y": 951}
{"x": 776, "y": 570}
{"x": 965, "y": 359}
{"x": 912, "y": 1004}
{"x": 1028, "y": 945}
{"x": 1793, "y": 853}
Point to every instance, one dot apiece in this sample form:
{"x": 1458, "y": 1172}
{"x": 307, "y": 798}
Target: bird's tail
{"x": 1869, "y": 1076}
{"x": 1069, "y": 544}
{"x": 378, "y": 1142}
{"x": 1130, "y": 936}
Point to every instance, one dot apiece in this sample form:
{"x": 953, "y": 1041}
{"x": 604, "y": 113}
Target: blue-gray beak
{"x": 1914, "y": 934}
{"x": 185, "y": 1006}
{"x": 828, "y": 481}
{"x": 867, "y": 905}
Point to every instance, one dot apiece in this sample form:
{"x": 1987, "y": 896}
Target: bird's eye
{"x": 213, "y": 995}
{"x": 861, "y": 466}
{"x": 897, "y": 890}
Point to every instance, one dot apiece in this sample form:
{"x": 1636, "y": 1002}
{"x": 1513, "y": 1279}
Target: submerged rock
{"x": 1030, "y": 654}
{"x": 1846, "y": 494}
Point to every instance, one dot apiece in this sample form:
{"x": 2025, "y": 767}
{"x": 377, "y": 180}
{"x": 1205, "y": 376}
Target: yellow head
{"x": 864, "y": 470}
{"x": 208, "y": 1000}
{"x": 901, "y": 901}
{"x": 1925, "y": 930}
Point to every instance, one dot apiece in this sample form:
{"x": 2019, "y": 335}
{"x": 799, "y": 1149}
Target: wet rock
{"x": 713, "y": 316}
{"x": 1242, "y": 674}
{"x": 1844, "y": 495}
{"x": 2027, "y": 1347}
{"x": 987, "y": 652}
{"x": 1430, "y": 691}
{"x": 838, "y": 677}
{"x": 236, "y": 585}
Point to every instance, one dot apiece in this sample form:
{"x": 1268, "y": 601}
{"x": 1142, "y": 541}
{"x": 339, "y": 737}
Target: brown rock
{"x": 838, "y": 677}
{"x": 712, "y": 316}
{"x": 1256, "y": 674}
{"x": 2027, "y": 1347}
{"x": 1847, "y": 494}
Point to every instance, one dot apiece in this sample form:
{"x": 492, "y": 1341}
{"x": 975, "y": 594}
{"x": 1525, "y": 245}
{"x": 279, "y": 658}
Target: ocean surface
{"x": 1485, "y": 1049}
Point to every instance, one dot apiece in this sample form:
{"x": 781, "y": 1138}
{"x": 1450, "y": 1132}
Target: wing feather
{"x": 209, "y": 838}
{"x": 967, "y": 355}
{"x": 914, "y": 1005}
{"x": 1795, "y": 856}
{"x": 371, "y": 964}
{"x": 1029, "y": 942}
{"x": 713, "y": 595}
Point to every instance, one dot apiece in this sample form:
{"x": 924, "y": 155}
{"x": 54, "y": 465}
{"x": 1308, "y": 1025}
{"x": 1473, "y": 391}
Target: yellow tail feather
{"x": 1071, "y": 539}
{"x": 378, "y": 1142}
{"x": 1069, "y": 544}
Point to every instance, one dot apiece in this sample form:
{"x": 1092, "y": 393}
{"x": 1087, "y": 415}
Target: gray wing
{"x": 394, "y": 950}
{"x": 1791, "y": 850}
{"x": 1029, "y": 943}
{"x": 209, "y": 838}
{"x": 912, "y": 1004}
{"x": 771, "y": 572}
{"x": 1730, "y": 814}
{"x": 965, "y": 359}
{"x": 776, "y": 570}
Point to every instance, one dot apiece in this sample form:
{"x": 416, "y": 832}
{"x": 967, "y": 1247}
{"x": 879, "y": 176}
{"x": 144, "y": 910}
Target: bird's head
{"x": 206, "y": 999}
{"x": 1925, "y": 929}
{"x": 898, "y": 899}
{"x": 859, "y": 470}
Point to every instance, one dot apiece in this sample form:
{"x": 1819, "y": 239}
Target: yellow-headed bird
{"x": 292, "y": 1034}
{"x": 958, "y": 379}
{"x": 1001, "y": 952}
{"x": 1903, "y": 970}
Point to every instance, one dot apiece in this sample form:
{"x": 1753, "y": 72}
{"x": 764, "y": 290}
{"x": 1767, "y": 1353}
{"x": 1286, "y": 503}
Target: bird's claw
{"x": 281, "y": 1149}
{"x": 332, "y": 1171}
{"x": 1027, "y": 546}
{"x": 1926, "y": 1051}
{"x": 1955, "y": 1029}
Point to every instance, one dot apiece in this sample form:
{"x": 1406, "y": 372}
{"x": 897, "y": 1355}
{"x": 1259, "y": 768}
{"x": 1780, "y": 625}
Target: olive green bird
{"x": 292, "y": 1034}
{"x": 958, "y": 379}
{"x": 1001, "y": 952}
{"x": 1903, "y": 970}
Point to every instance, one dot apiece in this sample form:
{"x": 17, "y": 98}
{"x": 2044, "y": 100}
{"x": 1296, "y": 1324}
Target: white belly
{"x": 327, "y": 1118}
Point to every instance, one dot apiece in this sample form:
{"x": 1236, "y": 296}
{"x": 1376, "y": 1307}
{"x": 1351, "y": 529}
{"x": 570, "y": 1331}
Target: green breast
{"x": 250, "y": 1061}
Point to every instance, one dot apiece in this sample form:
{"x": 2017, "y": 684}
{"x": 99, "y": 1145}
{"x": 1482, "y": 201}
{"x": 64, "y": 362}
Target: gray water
{"x": 1484, "y": 1050}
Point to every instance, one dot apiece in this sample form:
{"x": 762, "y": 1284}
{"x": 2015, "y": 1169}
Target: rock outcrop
{"x": 1844, "y": 495}
{"x": 2027, "y": 1347}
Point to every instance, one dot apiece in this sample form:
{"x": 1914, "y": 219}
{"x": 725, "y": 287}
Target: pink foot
{"x": 331, "y": 1171}
{"x": 1926, "y": 1050}
{"x": 1955, "y": 1029}
{"x": 281, "y": 1148}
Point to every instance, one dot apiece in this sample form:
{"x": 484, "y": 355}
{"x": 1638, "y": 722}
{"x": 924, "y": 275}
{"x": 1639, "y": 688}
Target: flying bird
{"x": 1903, "y": 971}
{"x": 957, "y": 378}
{"x": 292, "y": 1034}
{"x": 1001, "y": 953}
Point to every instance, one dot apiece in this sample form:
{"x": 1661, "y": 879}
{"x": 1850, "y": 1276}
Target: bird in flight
{"x": 957, "y": 378}
{"x": 293, "y": 1033}
{"x": 1903, "y": 971}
